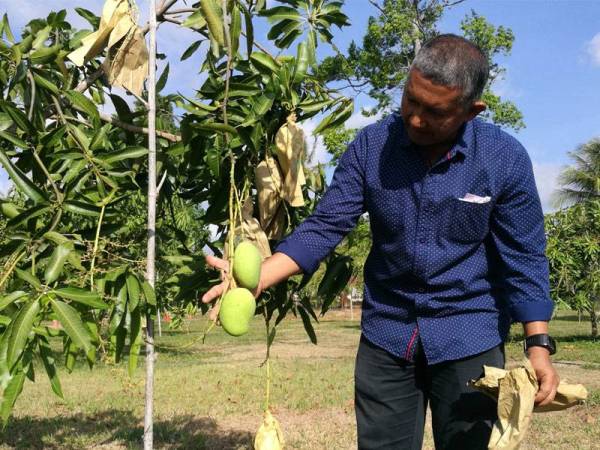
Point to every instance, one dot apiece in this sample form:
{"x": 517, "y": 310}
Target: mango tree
{"x": 74, "y": 252}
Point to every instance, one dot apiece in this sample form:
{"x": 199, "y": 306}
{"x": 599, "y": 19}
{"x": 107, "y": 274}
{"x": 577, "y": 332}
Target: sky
{"x": 552, "y": 73}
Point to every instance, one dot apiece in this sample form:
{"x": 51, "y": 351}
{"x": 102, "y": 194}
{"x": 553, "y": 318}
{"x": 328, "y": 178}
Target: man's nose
{"x": 416, "y": 120}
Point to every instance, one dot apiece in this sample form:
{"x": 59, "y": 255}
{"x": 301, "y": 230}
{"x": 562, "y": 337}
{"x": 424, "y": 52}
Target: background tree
{"x": 581, "y": 181}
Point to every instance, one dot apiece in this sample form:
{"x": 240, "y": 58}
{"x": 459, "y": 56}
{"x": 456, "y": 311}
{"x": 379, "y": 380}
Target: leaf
{"x": 6, "y": 29}
{"x": 10, "y": 394}
{"x": 84, "y": 209}
{"x": 307, "y": 325}
{"x": 336, "y": 277}
{"x": 135, "y": 339}
{"x": 271, "y": 336}
{"x": 191, "y": 49}
{"x": 23, "y": 184}
{"x": 249, "y": 30}
{"x": 69, "y": 319}
{"x": 214, "y": 126}
{"x": 213, "y": 160}
{"x": 162, "y": 81}
{"x": 29, "y": 278}
{"x": 46, "y": 84}
{"x": 93, "y": 19}
{"x": 84, "y": 105}
{"x": 23, "y": 324}
{"x": 56, "y": 263}
{"x": 214, "y": 18}
{"x": 82, "y": 296}
{"x": 264, "y": 63}
{"x": 133, "y": 291}
{"x": 11, "y": 298}
{"x": 302, "y": 61}
{"x": 14, "y": 139}
{"x": 195, "y": 21}
{"x": 27, "y": 215}
{"x": 127, "y": 153}
{"x": 122, "y": 107}
{"x": 5, "y": 122}
{"x": 149, "y": 293}
{"x": 280, "y": 13}
{"x": 50, "y": 366}
{"x": 338, "y": 117}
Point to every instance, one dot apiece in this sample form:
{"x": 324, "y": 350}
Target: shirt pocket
{"x": 468, "y": 222}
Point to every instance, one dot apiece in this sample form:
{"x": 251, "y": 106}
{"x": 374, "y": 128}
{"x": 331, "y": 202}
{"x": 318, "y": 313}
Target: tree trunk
{"x": 594, "y": 320}
{"x": 150, "y": 269}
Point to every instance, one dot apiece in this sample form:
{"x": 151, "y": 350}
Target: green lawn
{"x": 211, "y": 395}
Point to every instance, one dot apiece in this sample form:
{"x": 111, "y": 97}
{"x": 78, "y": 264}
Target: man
{"x": 458, "y": 253}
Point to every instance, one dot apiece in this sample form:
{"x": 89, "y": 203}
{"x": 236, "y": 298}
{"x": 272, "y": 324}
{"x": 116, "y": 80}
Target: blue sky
{"x": 553, "y": 72}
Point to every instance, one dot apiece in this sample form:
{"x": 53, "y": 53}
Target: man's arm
{"x": 517, "y": 230}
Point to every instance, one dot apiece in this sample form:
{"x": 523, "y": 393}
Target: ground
{"x": 210, "y": 396}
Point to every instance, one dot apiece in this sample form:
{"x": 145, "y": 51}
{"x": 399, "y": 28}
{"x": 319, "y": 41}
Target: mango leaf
{"x": 6, "y": 29}
{"x": 28, "y": 278}
{"x": 302, "y": 62}
{"x": 195, "y": 21}
{"x": 162, "y": 81}
{"x": 135, "y": 339}
{"x": 337, "y": 275}
{"x": 50, "y": 365}
{"x": 149, "y": 293}
{"x": 120, "y": 155}
{"x": 213, "y": 14}
{"x": 20, "y": 331}
{"x": 133, "y": 291}
{"x": 10, "y": 394}
{"x": 281, "y": 12}
{"x": 18, "y": 117}
{"x": 93, "y": 19}
{"x": 13, "y": 139}
{"x": 83, "y": 296}
{"x": 84, "y": 209}
{"x": 27, "y": 215}
{"x": 191, "y": 49}
{"x": 69, "y": 319}
{"x": 308, "y": 327}
{"x": 23, "y": 184}
{"x": 56, "y": 263}
{"x": 84, "y": 105}
{"x": 264, "y": 63}
{"x": 11, "y": 298}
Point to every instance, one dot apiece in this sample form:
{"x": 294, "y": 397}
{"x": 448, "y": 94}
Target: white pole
{"x": 150, "y": 269}
{"x": 351, "y": 299}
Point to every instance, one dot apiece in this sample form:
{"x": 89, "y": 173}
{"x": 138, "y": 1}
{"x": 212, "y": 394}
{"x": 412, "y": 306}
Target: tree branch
{"x": 136, "y": 129}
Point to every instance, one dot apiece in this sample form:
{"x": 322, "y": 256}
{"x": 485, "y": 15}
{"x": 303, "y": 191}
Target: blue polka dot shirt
{"x": 458, "y": 249}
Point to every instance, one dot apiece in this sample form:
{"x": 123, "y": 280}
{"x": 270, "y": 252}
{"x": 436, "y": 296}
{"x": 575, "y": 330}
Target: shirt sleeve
{"x": 335, "y": 215}
{"x": 517, "y": 230}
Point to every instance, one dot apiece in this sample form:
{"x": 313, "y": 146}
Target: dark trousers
{"x": 392, "y": 394}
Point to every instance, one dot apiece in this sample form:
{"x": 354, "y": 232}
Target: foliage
{"x": 75, "y": 244}
{"x": 380, "y": 66}
{"x": 573, "y": 251}
{"x": 581, "y": 181}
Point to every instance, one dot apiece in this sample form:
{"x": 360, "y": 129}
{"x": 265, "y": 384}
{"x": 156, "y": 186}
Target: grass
{"x": 210, "y": 396}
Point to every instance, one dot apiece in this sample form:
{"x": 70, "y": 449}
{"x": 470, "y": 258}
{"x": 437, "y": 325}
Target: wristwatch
{"x": 540, "y": 340}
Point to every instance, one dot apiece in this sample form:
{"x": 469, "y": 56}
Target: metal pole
{"x": 150, "y": 269}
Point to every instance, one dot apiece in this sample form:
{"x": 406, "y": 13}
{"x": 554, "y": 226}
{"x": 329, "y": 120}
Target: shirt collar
{"x": 463, "y": 143}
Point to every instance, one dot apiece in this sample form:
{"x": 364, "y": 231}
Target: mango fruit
{"x": 269, "y": 436}
{"x": 236, "y": 311}
{"x": 246, "y": 265}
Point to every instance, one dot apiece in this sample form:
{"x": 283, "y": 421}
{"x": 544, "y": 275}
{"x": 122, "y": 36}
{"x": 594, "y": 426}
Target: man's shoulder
{"x": 379, "y": 131}
{"x": 494, "y": 139}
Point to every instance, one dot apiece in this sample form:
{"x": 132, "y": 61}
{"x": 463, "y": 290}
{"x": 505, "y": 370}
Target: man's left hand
{"x": 547, "y": 376}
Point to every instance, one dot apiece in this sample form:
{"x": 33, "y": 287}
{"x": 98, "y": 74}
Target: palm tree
{"x": 581, "y": 182}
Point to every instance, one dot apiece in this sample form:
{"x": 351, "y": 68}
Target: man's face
{"x": 433, "y": 113}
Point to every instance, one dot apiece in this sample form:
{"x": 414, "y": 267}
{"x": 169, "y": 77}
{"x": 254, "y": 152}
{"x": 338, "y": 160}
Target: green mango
{"x": 237, "y": 310}
{"x": 246, "y": 265}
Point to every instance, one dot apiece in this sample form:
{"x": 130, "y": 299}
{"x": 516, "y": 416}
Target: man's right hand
{"x": 274, "y": 269}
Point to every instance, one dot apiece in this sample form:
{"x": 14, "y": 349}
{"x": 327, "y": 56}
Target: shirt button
{"x": 422, "y": 240}
{"x": 421, "y": 289}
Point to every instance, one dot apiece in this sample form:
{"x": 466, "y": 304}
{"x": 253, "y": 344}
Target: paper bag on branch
{"x": 252, "y": 231}
{"x": 126, "y": 64}
{"x": 289, "y": 141}
{"x": 270, "y": 204}
{"x": 515, "y": 391}
{"x": 114, "y": 12}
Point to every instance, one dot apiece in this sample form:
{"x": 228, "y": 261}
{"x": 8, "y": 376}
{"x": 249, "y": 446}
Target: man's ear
{"x": 477, "y": 107}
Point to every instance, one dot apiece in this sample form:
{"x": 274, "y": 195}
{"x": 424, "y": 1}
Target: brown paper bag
{"x": 289, "y": 141}
{"x": 515, "y": 391}
{"x": 270, "y": 204}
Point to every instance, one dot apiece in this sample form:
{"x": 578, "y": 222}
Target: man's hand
{"x": 547, "y": 376}
{"x": 216, "y": 291}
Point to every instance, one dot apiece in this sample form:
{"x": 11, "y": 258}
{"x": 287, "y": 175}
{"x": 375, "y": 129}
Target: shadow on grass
{"x": 119, "y": 428}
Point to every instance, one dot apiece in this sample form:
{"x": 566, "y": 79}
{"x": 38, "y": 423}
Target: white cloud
{"x": 504, "y": 87}
{"x": 546, "y": 179}
{"x": 593, "y": 49}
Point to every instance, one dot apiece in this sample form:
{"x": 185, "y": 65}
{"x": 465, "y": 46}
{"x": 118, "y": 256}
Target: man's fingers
{"x": 547, "y": 391}
{"x": 213, "y": 293}
{"x": 217, "y": 263}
